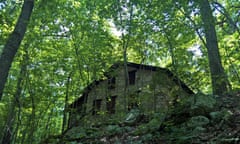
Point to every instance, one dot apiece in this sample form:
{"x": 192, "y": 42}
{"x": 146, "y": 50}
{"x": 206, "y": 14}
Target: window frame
{"x": 111, "y": 104}
{"x": 97, "y": 103}
{"x": 132, "y": 77}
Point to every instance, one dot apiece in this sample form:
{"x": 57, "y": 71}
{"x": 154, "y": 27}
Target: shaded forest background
{"x": 69, "y": 43}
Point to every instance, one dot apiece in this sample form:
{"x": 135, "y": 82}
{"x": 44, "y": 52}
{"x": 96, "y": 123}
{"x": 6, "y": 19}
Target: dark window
{"x": 111, "y": 83}
{"x": 133, "y": 102}
{"x": 111, "y": 103}
{"x": 96, "y": 106}
{"x": 132, "y": 77}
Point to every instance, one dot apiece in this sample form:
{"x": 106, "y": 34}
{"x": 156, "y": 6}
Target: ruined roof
{"x": 133, "y": 65}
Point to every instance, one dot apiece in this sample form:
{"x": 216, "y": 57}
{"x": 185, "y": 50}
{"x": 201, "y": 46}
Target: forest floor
{"x": 199, "y": 119}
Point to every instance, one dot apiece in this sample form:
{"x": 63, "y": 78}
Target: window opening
{"x": 132, "y": 77}
{"x": 111, "y": 104}
{"x": 133, "y": 101}
{"x": 96, "y": 106}
{"x": 111, "y": 83}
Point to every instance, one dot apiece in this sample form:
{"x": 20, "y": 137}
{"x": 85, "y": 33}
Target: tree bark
{"x": 218, "y": 77}
{"x": 65, "y": 116}
{"x": 13, "y": 42}
{"x": 8, "y": 131}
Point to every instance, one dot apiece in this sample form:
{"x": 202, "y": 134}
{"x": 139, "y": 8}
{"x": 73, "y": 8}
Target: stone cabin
{"x": 149, "y": 88}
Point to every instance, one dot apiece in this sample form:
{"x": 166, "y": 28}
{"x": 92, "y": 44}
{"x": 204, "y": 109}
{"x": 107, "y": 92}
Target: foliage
{"x": 214, "y": 126}
{"x": 152, "y": 126}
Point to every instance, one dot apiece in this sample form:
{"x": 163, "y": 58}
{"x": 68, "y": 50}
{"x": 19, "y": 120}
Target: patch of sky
{"x": 195, "y": 49}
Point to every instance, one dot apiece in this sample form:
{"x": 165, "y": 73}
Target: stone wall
{"x": 153, "y": 91}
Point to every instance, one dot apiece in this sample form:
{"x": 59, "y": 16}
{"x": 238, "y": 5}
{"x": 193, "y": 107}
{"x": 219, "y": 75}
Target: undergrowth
{"x": 197, "y": 119}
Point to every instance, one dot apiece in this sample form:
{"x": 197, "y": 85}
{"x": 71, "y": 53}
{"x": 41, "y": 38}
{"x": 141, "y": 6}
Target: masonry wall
{"x": 153, "y": 91}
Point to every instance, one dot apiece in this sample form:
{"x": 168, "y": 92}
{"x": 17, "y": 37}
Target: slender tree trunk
{"x": 8, "y": 132}
{"x": 65, "y": 124}
{"x": 218, "y": 77}
{"x": 126, "y": 40}
{"x": 13, "y": 42}
{"x": 32, "y": 122}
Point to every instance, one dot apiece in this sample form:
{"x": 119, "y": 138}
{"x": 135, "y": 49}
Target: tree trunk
{"x": 65, "y": 116}
{"x": 8, "y": 132}
{"x": 13, "y": 42}
{"x": 218, "y": 77}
